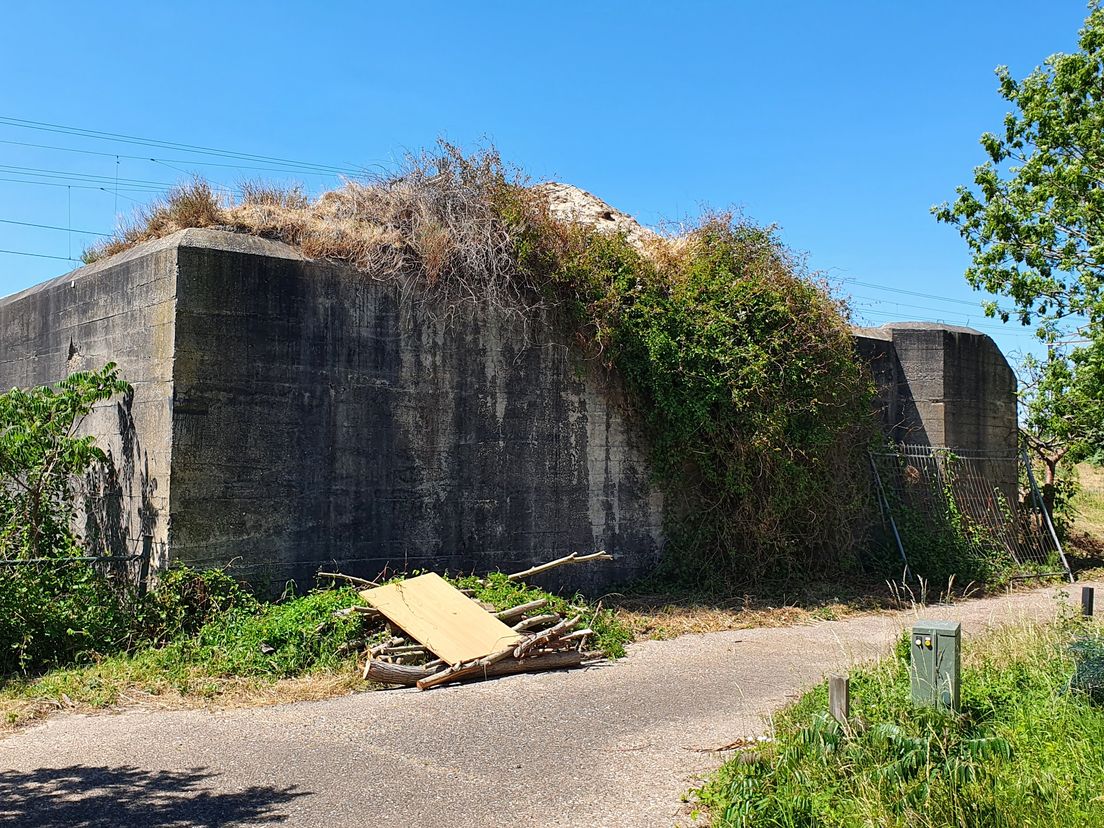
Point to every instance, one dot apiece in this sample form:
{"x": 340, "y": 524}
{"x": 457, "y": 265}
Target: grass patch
{"x": 1085, "y": 535}
{"x": 209, "y": 644}
{"x": 1025, "y": 751}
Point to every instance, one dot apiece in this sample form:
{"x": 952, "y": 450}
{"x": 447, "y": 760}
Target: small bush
{"x": 185, "y": 600}
{"x": 60, "y": 612}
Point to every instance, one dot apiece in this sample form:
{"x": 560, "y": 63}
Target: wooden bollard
{"x": 839, "y": 698}
{"x": 1087, "y": 598}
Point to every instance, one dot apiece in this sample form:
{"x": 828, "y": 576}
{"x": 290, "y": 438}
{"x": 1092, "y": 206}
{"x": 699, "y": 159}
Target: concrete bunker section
{"x": 290, "y": 414}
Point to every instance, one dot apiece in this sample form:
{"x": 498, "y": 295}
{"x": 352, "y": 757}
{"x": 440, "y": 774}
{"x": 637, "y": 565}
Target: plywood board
{"x": 450, "y": 624}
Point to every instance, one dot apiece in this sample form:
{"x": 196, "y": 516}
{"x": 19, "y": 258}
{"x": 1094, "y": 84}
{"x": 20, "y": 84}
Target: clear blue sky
{"x": 840, "y": 122}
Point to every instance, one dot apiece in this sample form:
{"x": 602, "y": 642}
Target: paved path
{"x": 610, "y": 746}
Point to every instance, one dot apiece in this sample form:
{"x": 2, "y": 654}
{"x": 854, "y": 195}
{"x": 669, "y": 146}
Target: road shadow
{"x": 81, "y": 796}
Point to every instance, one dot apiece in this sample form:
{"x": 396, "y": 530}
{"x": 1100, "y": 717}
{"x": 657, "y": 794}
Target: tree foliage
{"x": 1034, "y": 222}
{"x": 41, "y": 458}
{"x": 1064, "y": 396}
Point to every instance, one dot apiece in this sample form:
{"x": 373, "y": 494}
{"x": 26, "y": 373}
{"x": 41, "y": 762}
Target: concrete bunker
{"x": 290, "y": 413}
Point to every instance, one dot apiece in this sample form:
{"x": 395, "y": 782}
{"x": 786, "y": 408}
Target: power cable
{"x": 195, "y": 161}
{"x": 53, "y": 227}
{"x": 911, "y": 292}
{"x": 152, "y": 142}
{"x": 66, "y": 174}
{"x": 105, "y": 189}
{"x": 977, "y": 309}
{"x": 38, "y": 255}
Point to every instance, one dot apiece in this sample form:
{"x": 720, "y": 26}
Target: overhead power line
{"x": 98, "y": 179}
{"x": 54, "y": 227}
{"x": 176, "y": 145}
{"x": 977, "y": 310}
{"x": 195, "y": 161}
{"x": 38, "y": 255}
{"x": 107, "y": 188}
{"x": 911, "y": 293}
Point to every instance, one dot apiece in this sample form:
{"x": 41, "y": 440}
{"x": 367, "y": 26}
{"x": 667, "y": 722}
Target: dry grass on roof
{"x": 438, "y": 215}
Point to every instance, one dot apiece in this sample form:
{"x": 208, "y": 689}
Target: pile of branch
{"x": 552, "y": 643}
{"x": 548, "y": 641}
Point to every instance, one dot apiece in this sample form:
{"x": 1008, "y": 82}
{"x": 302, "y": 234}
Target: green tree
{"x": 42, "y": 457}
{"x": 1034, "y": 222}
{"x": 1064, "y": 407}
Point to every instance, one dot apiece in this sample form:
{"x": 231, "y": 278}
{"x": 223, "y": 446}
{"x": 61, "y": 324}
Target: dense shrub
{"x": 186, "y": 599}
{"x": 58, "y": 612}
{"x": 744, "y": 378}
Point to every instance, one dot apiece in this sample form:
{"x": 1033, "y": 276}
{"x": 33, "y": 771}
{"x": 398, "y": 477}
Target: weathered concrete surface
{"x": 123, "y": 311}
{"x": 946, "y": 386}
{"x": 612, "y": 746}
{"x": 313, "y": 416}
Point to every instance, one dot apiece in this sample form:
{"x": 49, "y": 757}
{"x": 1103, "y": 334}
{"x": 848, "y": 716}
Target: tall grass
{"x": 1026, "y": 750}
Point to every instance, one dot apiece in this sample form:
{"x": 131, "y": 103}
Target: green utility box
{"x": 936, "y": 664}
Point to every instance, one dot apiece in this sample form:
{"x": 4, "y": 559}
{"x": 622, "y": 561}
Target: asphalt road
{"x": 615, "y": 745}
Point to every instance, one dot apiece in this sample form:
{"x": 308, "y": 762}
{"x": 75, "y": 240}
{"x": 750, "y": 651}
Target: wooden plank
{"x": 434, "y": 613}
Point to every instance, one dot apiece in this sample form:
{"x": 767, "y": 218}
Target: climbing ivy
{"x": 743, "y": 376}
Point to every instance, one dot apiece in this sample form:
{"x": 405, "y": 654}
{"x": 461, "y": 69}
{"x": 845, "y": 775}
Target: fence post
{"x": 144, "y": 563}
{"x": 1087, "y": 599}
{"x": 839, "y": 698}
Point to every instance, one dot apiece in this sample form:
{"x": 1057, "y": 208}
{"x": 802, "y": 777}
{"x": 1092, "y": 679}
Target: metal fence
{"x": 990, "y": 501}
{"x": 123, "y": 569}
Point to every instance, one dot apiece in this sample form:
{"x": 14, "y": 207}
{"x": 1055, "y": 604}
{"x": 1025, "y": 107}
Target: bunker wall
{"x": 122, "y": 311}
{"x": 324, "y": 419}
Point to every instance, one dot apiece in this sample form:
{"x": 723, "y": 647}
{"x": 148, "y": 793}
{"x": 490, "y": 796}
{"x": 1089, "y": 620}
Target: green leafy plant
{"x": 743, "y": 376}
{"x": 53, "y": 607}
{"x": 42, "y": 456}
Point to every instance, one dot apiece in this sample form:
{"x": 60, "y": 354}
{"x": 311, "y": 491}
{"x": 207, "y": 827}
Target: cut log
{"x": 535, "y": 621}
{"x": 508, "y": 615}
{"x": 465, "y": 669}
{"x": 402, "y": 649}
{"x": 410, "y": 675}
{"x": 573, "y": 558}
{"x": 391, "y": 642}
{"x": 543, "y": 638}
{"x": 386, "y": 673}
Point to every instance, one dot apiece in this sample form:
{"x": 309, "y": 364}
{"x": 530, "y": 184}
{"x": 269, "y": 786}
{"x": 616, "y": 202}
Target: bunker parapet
{"x": 290, "y": 414}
